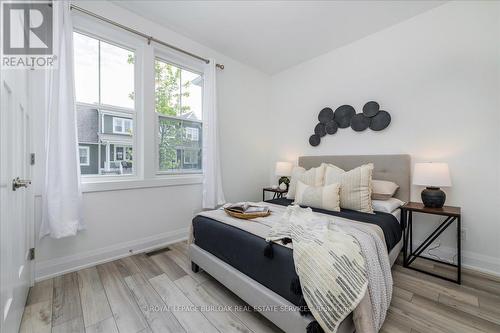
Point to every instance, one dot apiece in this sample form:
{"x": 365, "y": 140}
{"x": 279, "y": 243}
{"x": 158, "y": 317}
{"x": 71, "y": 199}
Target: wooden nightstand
{"x": 278, "y": 193}
{"x": 451, "y": 214}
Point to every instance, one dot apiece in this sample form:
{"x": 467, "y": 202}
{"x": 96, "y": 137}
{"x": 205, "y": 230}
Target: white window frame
{"x": 115, "y": 153}
{"x": 124, "y": 152}
{"x": 169, "y": 56}
{"x": 97, "y": 29}
{"x": 145, "y": 119}
{"x": 117, "y": 120}
{"x": 192, "y": 133}
{"x": 123, "y": 126}
{"x": 87, "y": 152}
{"x": 190, "y": 151}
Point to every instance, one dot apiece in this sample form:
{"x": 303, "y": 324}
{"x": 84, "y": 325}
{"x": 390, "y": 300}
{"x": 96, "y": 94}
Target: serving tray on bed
{"x": 246, "y": 216}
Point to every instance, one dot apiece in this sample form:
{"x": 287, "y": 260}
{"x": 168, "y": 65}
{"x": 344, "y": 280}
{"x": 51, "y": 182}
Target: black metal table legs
{"x": 409, "y": 255}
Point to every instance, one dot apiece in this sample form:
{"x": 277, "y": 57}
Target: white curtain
{"x": 213, "y": 195}
{"x": 62, "y": 196}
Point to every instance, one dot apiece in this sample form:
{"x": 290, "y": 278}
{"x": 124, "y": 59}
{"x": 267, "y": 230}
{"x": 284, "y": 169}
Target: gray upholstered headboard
{"x": 396, "y": 168}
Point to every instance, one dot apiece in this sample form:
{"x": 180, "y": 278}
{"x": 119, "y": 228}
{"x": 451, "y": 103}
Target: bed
{"x": 233, "y": 256}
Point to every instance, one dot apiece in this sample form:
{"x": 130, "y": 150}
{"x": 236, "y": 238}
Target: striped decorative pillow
{"x": 324, "y": 197}
{"x": 311, "y": 177}
{"x": 355, "y": 186}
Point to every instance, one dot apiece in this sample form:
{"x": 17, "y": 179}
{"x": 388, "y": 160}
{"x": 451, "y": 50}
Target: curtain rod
{"x": 149, "y": 38}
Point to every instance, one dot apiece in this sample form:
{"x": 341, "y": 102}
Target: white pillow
{"x": 387, "y": 206}
{"x": 311, "y": 177}
{"x": 383, "y": 189}
{"x": 355, "y": 186}
{"x": 324, "y": 197}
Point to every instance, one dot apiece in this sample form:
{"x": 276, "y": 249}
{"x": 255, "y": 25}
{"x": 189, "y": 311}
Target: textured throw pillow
{"x": 383, "y": 189}
{"x": 355, "y": 186}
{"x": 311, "y": 177}
{"x": 324, "y": 197}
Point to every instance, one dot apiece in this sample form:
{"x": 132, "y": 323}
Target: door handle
{"x": 17, "y": 183}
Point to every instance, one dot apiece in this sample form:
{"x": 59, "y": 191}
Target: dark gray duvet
{"x": 245, "y": 251}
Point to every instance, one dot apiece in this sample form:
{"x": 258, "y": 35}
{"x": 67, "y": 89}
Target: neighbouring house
{"x": 105, "y": 142}
{"x": 180, "y": 142}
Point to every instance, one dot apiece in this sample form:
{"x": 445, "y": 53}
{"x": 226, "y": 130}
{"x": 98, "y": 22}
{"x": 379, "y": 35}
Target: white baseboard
{"x": 50, "y": 268}
{"x": 471, "y": 260}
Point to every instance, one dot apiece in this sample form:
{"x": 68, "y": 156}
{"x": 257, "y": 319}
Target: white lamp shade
{"x": 432, "y": 174}
{"x": 283, "y": 169}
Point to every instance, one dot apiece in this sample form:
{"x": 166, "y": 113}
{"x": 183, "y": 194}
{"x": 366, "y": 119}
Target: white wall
{"x": 438, "y": 76}
{"x": 118, "y": 221}
{"x": 436, "y": 73}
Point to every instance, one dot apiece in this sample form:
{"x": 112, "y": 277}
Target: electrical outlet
{"x": 463, "y": 235}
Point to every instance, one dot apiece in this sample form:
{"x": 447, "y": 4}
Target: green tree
{"x": 168, "y": 89}
{"x": 169, "y": 93}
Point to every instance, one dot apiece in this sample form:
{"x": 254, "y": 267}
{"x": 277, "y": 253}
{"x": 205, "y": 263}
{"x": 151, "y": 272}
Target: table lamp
{"x": 433, "y": 176}
{"x": 283, "y": 170}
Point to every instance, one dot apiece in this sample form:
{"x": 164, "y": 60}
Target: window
{"x": 190, "y": 157}
{"x": 122, "y": 126}
{"x": 192, "y": 133}
{"x": 105, "y": 93}
{"x": 178, "y": 104}
{"x": 119, "y": 152}
{"x": 84, "y": 153}
{"x": 104, "y": 73}
{"x": 110, "y": 81}
{"x": 122, "y": 153}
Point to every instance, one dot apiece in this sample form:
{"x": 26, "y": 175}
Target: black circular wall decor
{"x": 371, "y": 109}
{"x": 331, "y": 127}
{"x": 343, "y": 115}
{"x": 360, "y": 122}
{"x": 320, "y": 130}
{"x": 314, "y": 140}
{"x": 381, "y": 120}
{"x": 325, "y": 115}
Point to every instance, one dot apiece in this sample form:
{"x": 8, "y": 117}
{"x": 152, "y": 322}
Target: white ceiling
{"x": 275, "y": 35}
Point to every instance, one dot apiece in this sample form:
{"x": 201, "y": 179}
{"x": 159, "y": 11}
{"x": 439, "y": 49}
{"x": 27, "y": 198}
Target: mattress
{"x": 245, "y": 251}
{"x": 397, "y": 214}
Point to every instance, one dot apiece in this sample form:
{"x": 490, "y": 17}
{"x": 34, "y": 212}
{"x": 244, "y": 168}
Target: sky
{"x": 117, "y": 75}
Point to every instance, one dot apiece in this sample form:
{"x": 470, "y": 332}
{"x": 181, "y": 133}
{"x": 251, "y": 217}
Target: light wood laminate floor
{"x": 160, "y": 293}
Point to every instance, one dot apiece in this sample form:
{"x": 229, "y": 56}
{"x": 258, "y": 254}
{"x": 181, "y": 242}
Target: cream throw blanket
{"x": 361, "y": 242}
{"x": 335, "y": 264}
{"x": 329, "y": 263}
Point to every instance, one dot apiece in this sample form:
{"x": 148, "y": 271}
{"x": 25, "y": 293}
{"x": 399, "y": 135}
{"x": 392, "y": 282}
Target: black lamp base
{"x": 433, "y": 197}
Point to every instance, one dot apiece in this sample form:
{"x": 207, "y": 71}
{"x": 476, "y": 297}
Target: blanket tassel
{"x": 314, "y": 327}
{"x": 303, "y": 308}
{"x": 268, "y": 250}
{"x": 295, "y": 286}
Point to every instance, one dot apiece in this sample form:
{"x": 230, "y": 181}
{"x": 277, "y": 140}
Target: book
{"x": 246, "y": 208}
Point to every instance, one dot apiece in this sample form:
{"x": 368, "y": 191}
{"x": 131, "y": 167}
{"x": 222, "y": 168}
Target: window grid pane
{"x": 177, "y": 151}
{"x": 179, "y": 107}
{"x": 86, "y": 57}
{"x": 105, "y": 135}
{"x": 117, "y": 76}
{"x": 104, "y": 73}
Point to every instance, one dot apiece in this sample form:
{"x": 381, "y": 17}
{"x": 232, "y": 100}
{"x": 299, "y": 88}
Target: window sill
{"x": 130, "y": 184}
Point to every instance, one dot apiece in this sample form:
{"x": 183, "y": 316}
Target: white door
{"x": 15, "y": 201}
